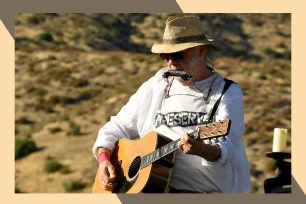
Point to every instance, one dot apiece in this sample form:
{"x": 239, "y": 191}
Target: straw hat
{"x": 181, "y": 33}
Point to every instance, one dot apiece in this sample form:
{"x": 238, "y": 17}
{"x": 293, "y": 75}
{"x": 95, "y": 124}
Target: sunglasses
{"x": 176, "y": 56}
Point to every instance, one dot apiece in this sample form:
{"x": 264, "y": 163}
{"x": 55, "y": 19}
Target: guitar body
{"x": 127, "y": 156}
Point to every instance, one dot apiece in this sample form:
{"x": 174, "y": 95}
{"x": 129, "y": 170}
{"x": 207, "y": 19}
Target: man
{"x": 176, "y": 105}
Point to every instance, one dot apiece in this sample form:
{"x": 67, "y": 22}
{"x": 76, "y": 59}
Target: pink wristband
{"x": 103, "y": 156}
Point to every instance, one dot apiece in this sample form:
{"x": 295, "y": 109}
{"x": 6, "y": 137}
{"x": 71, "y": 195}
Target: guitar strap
{"x": 215, "y": 107}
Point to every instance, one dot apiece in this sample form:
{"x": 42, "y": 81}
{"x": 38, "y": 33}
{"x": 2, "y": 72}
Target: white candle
{"x": 279, "y": 140}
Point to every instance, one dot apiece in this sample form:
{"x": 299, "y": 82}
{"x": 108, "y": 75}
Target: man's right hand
{"x": 107, "y": 175}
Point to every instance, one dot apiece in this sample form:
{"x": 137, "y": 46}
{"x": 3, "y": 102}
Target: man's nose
{"x": 171, "y": 61}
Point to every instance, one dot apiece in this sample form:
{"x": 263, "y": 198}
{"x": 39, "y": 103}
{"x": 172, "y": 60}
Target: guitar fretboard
{"x": 208, "y": 131}
{"x": 159, "y": 153}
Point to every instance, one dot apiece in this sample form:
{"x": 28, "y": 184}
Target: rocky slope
{"x": 74, "y": 71}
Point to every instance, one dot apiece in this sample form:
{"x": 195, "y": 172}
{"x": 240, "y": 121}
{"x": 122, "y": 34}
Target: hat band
{"x": 184, "y": 39}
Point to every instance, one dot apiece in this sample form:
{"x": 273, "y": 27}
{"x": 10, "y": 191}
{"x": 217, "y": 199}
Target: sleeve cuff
{"x": 221, "y": 160}
{"x": 105, "y": 144}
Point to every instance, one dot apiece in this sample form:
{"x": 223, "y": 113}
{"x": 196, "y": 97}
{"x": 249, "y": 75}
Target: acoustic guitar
{"x": 145, "y": 165}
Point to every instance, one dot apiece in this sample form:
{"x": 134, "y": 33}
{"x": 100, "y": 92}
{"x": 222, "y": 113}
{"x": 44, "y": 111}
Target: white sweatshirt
{"x": 229, "y": 174}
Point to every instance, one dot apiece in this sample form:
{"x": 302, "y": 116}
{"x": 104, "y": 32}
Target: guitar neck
{"x": 159, "y": 153}
{"x": 204, "y": 132}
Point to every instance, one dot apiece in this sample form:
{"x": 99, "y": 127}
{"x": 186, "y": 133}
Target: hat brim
{"x": 159, "y": 47}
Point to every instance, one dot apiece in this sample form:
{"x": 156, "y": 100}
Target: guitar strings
{"x": 154, "y": 156}
{"x": 136, "y": 166}
{"x": 151, "y": 157}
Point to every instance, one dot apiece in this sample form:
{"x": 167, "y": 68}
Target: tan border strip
{"x": 298, "y": 97}
{"x": 235, "y": 6}
{"x": 7, "y": 111}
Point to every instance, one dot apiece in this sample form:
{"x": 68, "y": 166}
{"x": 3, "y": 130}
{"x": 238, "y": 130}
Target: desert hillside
{"x": 74, "y": 71}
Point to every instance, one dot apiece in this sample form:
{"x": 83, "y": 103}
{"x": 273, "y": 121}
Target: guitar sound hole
{"x": 135, "y": 165}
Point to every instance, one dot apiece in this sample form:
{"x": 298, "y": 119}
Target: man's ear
{"x": 203, "y": 50}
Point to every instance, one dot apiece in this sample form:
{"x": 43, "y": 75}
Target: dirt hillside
{"x": 74, "y": 71}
